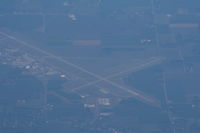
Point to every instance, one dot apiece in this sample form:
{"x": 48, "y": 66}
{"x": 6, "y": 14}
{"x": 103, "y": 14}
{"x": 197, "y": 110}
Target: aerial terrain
{"x": 99, "y": 66}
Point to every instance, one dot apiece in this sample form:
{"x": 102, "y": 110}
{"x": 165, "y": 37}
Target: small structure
{"x": 72, "y": 17}
{"x": 104, "y": 101}
{"x": 105, "y": 113}
{"x": 89, "y": 105}
{"x": 62, "y": 75}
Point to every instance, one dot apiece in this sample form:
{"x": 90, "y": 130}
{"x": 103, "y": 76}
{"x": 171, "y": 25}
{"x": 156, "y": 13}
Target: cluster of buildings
{"x": 31, "y": 64}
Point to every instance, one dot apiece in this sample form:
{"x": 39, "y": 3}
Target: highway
{"x": 157, "y": 37}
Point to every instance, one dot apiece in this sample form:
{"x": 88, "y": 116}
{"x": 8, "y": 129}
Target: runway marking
{"x": 153, "y": 62}
{"x": 148, "y": 99}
